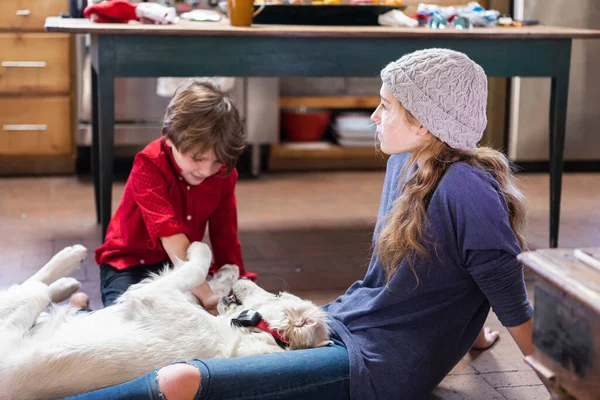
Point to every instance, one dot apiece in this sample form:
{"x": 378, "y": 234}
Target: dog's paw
{"x": 71, "y": 256}
{"x": 63, "y": 288}
{"x": 223, "y": 279}
{"x": 228, "y": 272}
{"x": 62, "y": 264}
{"x": 199, "y": 252}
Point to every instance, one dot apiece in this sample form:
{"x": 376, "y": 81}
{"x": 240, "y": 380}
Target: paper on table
{"x": 397, "y": 18}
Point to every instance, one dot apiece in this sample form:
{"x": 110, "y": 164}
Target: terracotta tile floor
{"x": 308, "y": 233}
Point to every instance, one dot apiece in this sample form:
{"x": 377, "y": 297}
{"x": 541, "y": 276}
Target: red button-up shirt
{"x": 158, "y": 202}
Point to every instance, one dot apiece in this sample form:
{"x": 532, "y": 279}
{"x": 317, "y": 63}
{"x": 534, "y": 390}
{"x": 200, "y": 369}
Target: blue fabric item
{"x": 405, "y": 337}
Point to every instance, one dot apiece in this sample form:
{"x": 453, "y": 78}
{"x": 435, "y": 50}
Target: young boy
{"x": 178, "y": 185}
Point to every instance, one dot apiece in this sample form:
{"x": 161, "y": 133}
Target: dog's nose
{"x": 226, "y": 301}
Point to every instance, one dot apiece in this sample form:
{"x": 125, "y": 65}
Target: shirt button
{"x": 142, "y": 261}
{"x": 189, "y": 217}
{"x": 180, "y": 178}
{"x": 188, "y": 188}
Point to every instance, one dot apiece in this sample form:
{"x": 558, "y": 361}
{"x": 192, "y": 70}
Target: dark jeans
{"x": 114, "y": 282}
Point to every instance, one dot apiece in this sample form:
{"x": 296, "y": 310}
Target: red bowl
{"x": 304, "y": 125}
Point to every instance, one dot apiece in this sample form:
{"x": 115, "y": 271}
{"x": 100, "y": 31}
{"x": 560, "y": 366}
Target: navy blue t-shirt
{"x": 403, "y": 338}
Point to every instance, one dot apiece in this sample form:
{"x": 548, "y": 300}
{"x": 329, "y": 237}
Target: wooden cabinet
{"x": 566, "y": 320}
{"x": 37, "y": 90}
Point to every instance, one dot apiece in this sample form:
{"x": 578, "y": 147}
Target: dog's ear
{"x": 307, "y": 327}
{"x": 306, "y": 320}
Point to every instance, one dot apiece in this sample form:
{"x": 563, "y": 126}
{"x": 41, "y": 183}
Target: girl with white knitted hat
{"x": 455, "y": 206}
{"x": 449, "y": 229}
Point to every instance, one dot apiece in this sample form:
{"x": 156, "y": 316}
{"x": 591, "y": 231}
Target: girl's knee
{"x": 179, "y": 381}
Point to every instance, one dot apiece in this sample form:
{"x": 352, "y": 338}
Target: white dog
{"x": 153, "y": 324}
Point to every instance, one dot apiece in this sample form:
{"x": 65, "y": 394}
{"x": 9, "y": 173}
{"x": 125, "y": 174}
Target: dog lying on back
{"x": 153, "y": 324}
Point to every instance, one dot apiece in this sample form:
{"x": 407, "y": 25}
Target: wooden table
{"x": 218, "y": 49}
{"x": 566, "y": 324}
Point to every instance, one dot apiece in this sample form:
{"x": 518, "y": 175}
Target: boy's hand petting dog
{"x": 211, "y": 302}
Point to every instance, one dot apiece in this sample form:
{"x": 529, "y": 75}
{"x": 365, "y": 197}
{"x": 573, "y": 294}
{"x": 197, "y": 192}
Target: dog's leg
{"x": 17, "y": 297}
{"x": 188, "y": 275}
{"x": 191, "y": 273}
{"x": 26, "y": 304}
{"x": 62, "y": 264}
{"x": 223, "y": 280}
{"x": 63, "y": 288}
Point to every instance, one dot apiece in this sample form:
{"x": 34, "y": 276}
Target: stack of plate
{"x": 355, "y": 130}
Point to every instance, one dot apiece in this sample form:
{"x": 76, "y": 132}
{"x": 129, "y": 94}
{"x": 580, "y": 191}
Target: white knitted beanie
{"x": 445, "y": 90}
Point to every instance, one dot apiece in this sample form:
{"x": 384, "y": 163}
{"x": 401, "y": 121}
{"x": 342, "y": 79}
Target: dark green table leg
{"x": 558, "y": 122}
{"x": 95, "y": 156}
{"x": 103, "y": 58}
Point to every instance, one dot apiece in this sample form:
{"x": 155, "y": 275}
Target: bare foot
{"x": 486, "y": 339}
{"x": 79, "y": 300}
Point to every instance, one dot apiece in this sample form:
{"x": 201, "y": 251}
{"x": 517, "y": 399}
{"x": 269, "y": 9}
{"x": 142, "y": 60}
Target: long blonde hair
{"x": 401, "y": 235}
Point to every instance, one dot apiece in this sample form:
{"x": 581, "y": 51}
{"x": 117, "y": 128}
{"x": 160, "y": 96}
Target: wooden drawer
{"x": 32, "y": 63}
{"x": 35, "y": 125}
{"x": 29, "y": 14}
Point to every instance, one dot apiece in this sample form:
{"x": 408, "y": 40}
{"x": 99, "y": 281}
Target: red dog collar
{"x": 282, "y": 341}
{"x": 252, "y": 318}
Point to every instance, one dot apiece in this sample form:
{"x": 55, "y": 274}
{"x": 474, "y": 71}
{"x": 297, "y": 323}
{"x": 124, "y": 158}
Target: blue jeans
{"x": 321, "y": 373}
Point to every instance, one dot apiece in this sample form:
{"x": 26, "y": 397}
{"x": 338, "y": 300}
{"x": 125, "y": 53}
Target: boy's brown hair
{"x": 201, "y": 117}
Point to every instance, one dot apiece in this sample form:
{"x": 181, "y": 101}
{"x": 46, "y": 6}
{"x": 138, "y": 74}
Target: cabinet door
{"x": 35, "y": 125}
